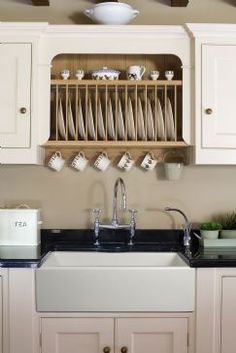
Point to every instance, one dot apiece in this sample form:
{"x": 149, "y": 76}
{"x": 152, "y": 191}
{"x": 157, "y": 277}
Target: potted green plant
{"x": 228, "y": 222}
{"x": 210, "y": 230}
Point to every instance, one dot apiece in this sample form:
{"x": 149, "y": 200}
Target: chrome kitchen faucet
{"x": 114, "y": 221}
{"x": 186, "y": 227}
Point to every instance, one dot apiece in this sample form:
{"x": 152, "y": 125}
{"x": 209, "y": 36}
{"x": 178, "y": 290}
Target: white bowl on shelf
{"x": 112, "y": 13}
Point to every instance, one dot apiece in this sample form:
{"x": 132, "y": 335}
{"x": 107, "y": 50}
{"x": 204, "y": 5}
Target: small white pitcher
{"x": 136, "y": 72}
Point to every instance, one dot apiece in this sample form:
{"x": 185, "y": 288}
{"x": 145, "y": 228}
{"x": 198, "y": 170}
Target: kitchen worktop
{"x": 145, "y": 241}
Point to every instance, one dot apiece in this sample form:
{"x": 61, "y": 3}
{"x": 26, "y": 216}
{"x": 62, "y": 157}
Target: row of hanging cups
{"x": 56, "y": 162}
{"x": 173, "y": 163}
{"x": 134, "y": 72}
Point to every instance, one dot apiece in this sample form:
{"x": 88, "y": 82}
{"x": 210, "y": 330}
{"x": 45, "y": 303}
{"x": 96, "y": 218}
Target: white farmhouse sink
{"x": 99, "y": 281}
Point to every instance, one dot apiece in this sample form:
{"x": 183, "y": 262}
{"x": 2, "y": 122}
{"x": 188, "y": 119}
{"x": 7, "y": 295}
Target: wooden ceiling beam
{"x": 179, "y": 3}
{"x": 40, "y": 2}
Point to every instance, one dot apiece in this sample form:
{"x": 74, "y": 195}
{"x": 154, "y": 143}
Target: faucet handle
{"x": 132, "y": 212}
{"x": 96, "y": 212}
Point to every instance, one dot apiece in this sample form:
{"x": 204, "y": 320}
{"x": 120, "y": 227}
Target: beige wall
{"x": 151, "y": 11}
{"x": 67, "y": 197}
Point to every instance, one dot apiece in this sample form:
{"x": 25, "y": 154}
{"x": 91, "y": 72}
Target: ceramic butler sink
{"x": 99, "y": 281}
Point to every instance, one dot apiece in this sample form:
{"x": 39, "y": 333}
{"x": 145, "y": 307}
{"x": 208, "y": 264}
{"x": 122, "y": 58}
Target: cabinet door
{"x": 1, "y": 316}
{"x": 15, "y": 63}
{"x": 228, "y": 312}
{"x": 152, "y": 335}
{"x": 77, "y": 335}
{"x": 218, "y": 96}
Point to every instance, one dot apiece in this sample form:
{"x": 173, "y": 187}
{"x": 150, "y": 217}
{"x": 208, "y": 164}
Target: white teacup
{"x": 135, "y": 72}
{"x": 56, "y": 162}
{"x": 126, "y": 162}
{"x": 102, "y": 161}
{"x": 154, "y": 74}
{"x": 149, "y": 162}
{"x": 173, "y": 171}
{"x": 79, "y": 162}
{"x": 169, "y": 75}
{"x": 65, "y": 74}
{"x": 79, "y": 74}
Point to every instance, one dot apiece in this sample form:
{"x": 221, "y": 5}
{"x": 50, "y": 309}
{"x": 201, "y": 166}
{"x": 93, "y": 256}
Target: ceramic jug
{"x": 136, "y": 72}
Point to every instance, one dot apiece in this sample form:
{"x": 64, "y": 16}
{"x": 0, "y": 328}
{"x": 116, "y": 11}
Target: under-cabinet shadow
{"x": 230, "y": 2}
{"x": 80, "y": 18}
{"x": 25, "y": 2}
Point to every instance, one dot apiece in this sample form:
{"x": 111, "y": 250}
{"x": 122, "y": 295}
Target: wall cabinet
{"x": 218, "y": 97}
{"x": 108, "y": 335}
{"x": 215, "y": 104}
{"x": 20, "y": 132}
{"x": 216, "y": 310}
{"x": 15, "y": 92}
{"x": 121, "y": 114}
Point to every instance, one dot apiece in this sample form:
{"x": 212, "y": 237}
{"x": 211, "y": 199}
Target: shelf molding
{"x": 179, "y": 3}
{"x": 40, "y": 2}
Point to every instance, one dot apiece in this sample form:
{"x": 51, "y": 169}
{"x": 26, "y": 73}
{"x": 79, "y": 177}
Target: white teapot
{"x": 111, "y": 13}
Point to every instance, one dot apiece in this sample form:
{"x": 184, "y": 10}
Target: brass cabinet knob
{"x": 208, "y": 111}
{"x": 124, "y": 349}
{"x": 106, "y": 349}
{"x": 23, "y": 110}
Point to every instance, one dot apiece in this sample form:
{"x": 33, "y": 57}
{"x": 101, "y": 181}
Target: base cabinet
{"x": 108, "y": 335}
{"x": 216, "y": 310}
{"x": 1, "y": 316}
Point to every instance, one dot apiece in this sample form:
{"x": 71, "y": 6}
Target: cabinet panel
{"x": 165, "y": 335}
{"x": 228, "y": 312}
{"x": 218, "y": 96}
{"x": 15, "y": 59}
{"x": 77, "y": 335}
{"x": 1, "y": 317}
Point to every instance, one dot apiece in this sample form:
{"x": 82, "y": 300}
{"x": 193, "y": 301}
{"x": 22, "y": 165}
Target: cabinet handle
{"x": 208, "y": 111}
{"x": 106, "y": 349}
{"x": 124, "y": 349}
{"x": 23, "y": 110}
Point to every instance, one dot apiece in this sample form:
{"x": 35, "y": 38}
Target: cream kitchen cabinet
{"x": 215, "y": 104}
{"x": 20, "y": 132}
{"x": 77, "y": 335}
{"x": 216, "y": 310}
{"x": 15, "y": 89}
{"x": 136, "y": 335}
{"x": 1, "y": 316}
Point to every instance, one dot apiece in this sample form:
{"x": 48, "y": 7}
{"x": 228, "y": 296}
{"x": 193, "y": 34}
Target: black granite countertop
{"x": 113, "y": 241}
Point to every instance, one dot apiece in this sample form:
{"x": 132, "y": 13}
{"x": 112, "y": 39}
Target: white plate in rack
{"x": 150, "y": 123}
{"x": 170, "y": 127}
{"x": 80, "y": 117}
{"x": 91, "y": 129}
{"x": 71, "y": 125}
{"x": 160, "y": 121}
{"x": 120, "y": 121}
{"x": 61, "y": 122}
{"x": 101, "y": 128}
{"x": 130, "y": 121}
{"x": 140, "y": 122}
{"x": 110, "y": 120}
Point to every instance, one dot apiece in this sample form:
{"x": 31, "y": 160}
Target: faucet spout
{"x": 118, "y": 182}
{"x": 186, "y": 226}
